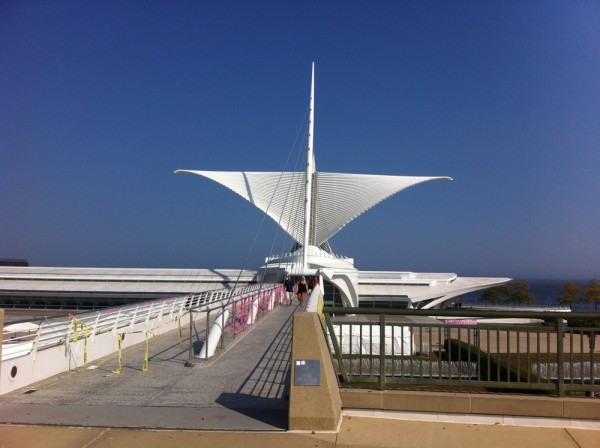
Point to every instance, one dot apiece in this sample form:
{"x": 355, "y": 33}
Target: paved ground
{"x": 244, "y": 387}
{"x": 354, "y": 433}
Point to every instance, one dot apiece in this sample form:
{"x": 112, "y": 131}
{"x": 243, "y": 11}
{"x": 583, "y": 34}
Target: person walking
{"x": 289, "y": 289}
{"x": 302, "y": 290}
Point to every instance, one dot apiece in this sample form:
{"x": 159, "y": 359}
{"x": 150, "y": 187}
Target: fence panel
{"x": 405, "y": 348}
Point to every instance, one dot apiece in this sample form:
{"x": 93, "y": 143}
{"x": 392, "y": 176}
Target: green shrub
{"x": 490, "y": 368}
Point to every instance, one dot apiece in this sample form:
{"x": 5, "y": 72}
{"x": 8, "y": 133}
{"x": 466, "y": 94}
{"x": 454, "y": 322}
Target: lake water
{"x": 546, "y": 292}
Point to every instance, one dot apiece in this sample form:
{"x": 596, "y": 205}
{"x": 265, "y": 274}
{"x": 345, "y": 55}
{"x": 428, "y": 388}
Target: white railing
{"x": 310, "y": 252}
{"x": 234, "y": 316}
{"x": 56, "y": 331}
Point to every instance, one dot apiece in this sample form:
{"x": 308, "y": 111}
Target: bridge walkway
{"x": 243, "y": 387}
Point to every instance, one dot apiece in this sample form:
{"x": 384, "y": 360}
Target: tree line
{"x": 517, "y": 292}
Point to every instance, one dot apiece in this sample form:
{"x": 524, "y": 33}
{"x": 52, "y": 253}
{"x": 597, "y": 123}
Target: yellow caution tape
{"x": 85, "y": 330}
{"x": 180, "y": 333}
{"x": 118, "y": 371}
{"x": 145, "y": 367}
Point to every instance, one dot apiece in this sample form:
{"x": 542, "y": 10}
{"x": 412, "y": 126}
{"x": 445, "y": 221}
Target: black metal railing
{"x": 532, "y": 352}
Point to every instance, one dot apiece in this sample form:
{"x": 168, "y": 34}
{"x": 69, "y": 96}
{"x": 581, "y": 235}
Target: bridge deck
{"x": 244, "y": 387}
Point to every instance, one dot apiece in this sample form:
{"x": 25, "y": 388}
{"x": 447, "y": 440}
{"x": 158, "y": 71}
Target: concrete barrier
{"x": 472, "y": 404}
{"x": 316, "y": 406}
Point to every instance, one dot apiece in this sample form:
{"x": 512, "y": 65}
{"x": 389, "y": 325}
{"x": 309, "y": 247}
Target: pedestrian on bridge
{"x": 289, "y": 289}
{"x": 302, "y": 289}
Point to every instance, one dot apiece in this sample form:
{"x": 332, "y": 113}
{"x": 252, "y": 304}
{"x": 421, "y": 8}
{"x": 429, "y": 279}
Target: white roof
{"x": 425, "y": 286}
{"x": 68, "y": 281}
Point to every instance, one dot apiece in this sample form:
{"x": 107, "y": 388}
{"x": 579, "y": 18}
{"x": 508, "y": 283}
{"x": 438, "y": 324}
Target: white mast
{"x": 310, "y": 169}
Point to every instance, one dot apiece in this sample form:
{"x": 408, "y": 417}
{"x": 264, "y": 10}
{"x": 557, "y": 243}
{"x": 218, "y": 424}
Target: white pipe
{"x": 214, "y": 335}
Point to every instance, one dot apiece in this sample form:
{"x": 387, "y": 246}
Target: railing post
{"x": 116, "y": 325}
{"x": 189, "y": 362}
{"x": 147, "y": 316}
{"x": 234, "y": 316}
{"x": 95, "y": 327}
{"x": 131, "y": 325}
{"x": 382, "y": 351}
{"x": 172, "y": 309}
{"x": 336, "y": 347}
{"x": 162, "y": 309}
{"x": 560, "y": 387}
{"x": 36, "y": 342}
{"x": 206, "y": 335}
{"x": 222, "y": 339}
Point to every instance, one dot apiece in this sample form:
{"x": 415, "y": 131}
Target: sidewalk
{"x": 355, "y": 432}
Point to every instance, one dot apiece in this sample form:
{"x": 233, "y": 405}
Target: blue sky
{"x": 102, "y": 101}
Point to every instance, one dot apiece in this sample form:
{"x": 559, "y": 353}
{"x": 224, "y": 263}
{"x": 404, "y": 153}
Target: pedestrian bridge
{"x": 153, "y": 375}
{"x": 253, "y": 381}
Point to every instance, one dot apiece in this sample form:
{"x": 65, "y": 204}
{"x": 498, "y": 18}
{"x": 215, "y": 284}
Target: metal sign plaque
{"x": 307, "y": 373}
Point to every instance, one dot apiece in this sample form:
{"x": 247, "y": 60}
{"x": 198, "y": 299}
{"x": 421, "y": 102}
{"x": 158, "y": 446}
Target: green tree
{"x": 519, "y": 293}
{"x": 495, "y": 295}
{"x": 570, "y": 293}
{"x": 592, "y": 293}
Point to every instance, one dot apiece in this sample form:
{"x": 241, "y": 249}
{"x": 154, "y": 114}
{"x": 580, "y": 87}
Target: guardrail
{"x": 387, "y": 349}
{"x": 59, "y": 330}
{"x": 233, "y": 316}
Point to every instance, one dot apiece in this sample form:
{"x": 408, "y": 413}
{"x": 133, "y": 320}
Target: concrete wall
{"x": 51, "y": 361}
{"x": 315, "y": 407}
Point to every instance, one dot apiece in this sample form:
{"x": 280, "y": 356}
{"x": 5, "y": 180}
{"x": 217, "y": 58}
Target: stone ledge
{"x": 474, "y": 404}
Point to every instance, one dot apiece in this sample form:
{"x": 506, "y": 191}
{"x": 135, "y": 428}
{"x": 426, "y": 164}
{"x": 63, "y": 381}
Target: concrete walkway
{"x": 355, "y": 432}
{"x": 244, "y": 387}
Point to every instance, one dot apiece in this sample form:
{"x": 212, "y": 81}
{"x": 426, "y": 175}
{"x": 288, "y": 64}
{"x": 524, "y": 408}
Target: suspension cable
{"x": 265, "y": 214}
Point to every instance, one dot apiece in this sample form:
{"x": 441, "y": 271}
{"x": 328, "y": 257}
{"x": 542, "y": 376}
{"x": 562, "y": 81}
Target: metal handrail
{"x": 237, "y": 304}
{"x": 59, "y": 330}
{"x": 399, "y": 348}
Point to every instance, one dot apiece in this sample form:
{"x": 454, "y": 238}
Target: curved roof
{"x": 339, "y": 198}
